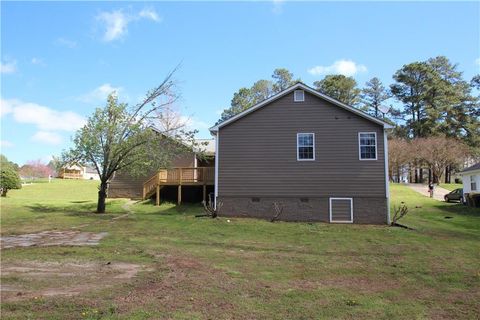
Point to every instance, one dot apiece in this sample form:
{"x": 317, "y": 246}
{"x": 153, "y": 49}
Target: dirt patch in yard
{"x": 181, "y": 282}
{"x": 358, "y": 284}
{"x": 52, "y": 238}
{"x": 41, "y": 279}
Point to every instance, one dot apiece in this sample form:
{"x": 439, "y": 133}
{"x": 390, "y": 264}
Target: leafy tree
{"x": 373, "y": 95}
{"x": 282, "y": 79}
{"x": 410, "y": 89}
{"x": 9, "y": 178}
{"x": 437, "y": 100}
{"x": 55, "y": 165}
{"x": 117, "y": 137}
{"x": 5, "y": 162}
{"x": 242, "y": 100}
{"x": 245, "y": 98}
{"x": 475, "y": 82}
{"x": 261, "y": 90}
{"x": 339, "y": 87}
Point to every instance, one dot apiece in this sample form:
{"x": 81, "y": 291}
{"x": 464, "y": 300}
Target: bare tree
{"x": 440, "y": 152}
{"x": 398, "y": 156}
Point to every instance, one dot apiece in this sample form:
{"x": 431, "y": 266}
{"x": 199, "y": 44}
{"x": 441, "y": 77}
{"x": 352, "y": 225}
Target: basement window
{"x": 298, "y": 96}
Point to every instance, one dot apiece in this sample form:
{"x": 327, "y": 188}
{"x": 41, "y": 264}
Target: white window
{"x": 298, "y": 96}
{"x": 305, "y": 146}
{"x": 473, "y": 183}
{"x": 367, "y": 145}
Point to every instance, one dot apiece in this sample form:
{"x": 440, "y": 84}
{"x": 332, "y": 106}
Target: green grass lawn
{"x": 451, "y": 186}
{"x": 201, "y": 268}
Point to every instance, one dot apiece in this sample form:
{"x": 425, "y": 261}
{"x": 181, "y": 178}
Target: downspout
{"x": 217, "y": 145}
{"x": 387, "y": 182}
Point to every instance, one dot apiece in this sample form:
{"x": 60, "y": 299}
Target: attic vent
{"x": 298, "y": 96}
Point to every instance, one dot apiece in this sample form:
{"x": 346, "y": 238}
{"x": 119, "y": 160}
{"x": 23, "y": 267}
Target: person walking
{"x": 431, "y": 187}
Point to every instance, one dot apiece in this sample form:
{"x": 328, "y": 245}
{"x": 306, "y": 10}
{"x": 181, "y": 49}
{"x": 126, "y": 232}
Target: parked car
{"x": 455, "y": 195}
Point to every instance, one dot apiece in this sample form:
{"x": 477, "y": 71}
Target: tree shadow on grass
{"x": 85, "y": 209}
{"x": 148, "y": 208}
{"x": 458, "y": 209}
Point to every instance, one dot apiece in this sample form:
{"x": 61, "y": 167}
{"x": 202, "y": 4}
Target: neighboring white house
{"x": 78, "y": 172}
{"x": 471, "y": 179}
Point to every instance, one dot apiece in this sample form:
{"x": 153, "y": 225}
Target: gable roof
{"x": 475, "y": 167}
{"x": 308, "y": 89}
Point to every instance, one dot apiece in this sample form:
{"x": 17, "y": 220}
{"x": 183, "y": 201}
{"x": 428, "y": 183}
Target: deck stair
{"x": 199, "y": 176}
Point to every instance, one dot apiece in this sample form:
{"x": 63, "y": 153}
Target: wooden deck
{"x": 67, "y": 175}
{"x": 200, "y": 176}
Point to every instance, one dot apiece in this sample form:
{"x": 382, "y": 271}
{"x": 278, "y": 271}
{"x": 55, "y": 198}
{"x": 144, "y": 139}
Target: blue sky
{"x": 59, "y": 59}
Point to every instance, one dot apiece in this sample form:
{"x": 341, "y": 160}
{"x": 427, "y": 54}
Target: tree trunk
{"x": 4, "y": 192}
{"x": 416, "y": 175}
{"x": 102, "y": 195}
{"x": 447, "y": 174}
{"x": 429, "y": 175}
{"x": 420, "y": 174}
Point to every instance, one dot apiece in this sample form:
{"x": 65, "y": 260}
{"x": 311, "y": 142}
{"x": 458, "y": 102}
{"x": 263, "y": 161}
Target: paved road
{"x": 438, "y": 194}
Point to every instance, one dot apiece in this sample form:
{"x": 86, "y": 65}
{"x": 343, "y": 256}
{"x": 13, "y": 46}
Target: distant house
{"x": 304, "y": 156}
{"x": 471, "y": 179}
{"x": 76, "y": 171}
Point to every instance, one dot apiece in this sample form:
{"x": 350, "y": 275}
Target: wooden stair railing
{"x": 178, "y": 176}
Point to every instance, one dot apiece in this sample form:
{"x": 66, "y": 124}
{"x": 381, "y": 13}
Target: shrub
{"x": 9, "y": 179}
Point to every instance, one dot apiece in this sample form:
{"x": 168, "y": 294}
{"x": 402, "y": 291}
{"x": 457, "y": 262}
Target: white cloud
{"x": 149, "y": 13}
{"x": 5, "y": 107}
{"x": 346, "y": 67}
{"x": 277, "y": 6}
{"x": 477, "y": 61}
{"x": 8, "y": 67}
{"x": 6, "y": 144}
{"x": 100, "y": 94}
{"x": 66, "y": 43}
{"x": 115, "y": 23}
{"x": 47, "y": 137}
{"x": 43, "y": 117}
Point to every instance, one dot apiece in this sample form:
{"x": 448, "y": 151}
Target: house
{"x": 76, "y": 171}
{"x": 305, "y": 157}
{"x": 189, "y": 175}
{"x": 471, "y": 180}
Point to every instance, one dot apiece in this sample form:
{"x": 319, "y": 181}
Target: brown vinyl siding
{"x": 257, "y": 153}
{"x": 257, "y": 157}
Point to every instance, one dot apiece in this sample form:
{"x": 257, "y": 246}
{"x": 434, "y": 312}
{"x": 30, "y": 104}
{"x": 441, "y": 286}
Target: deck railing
{"x": 67, "y": 175}
{"x": 179, "y": 176}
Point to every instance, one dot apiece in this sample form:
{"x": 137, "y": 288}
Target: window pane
{"x": 367, "y": 146}
{"x": 305, "y": 139}
{"x": 305, "y": 152}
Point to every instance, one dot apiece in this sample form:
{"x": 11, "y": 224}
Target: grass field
{"x": 201, "y": 268}
{"x": 451, "y": 186}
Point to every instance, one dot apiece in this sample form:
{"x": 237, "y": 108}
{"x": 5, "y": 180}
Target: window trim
{"x": 295, "y": 96}
{"x": 313, "y": 145}
{"x": 473, "y": 181}
{"x": 360, "y": 147}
